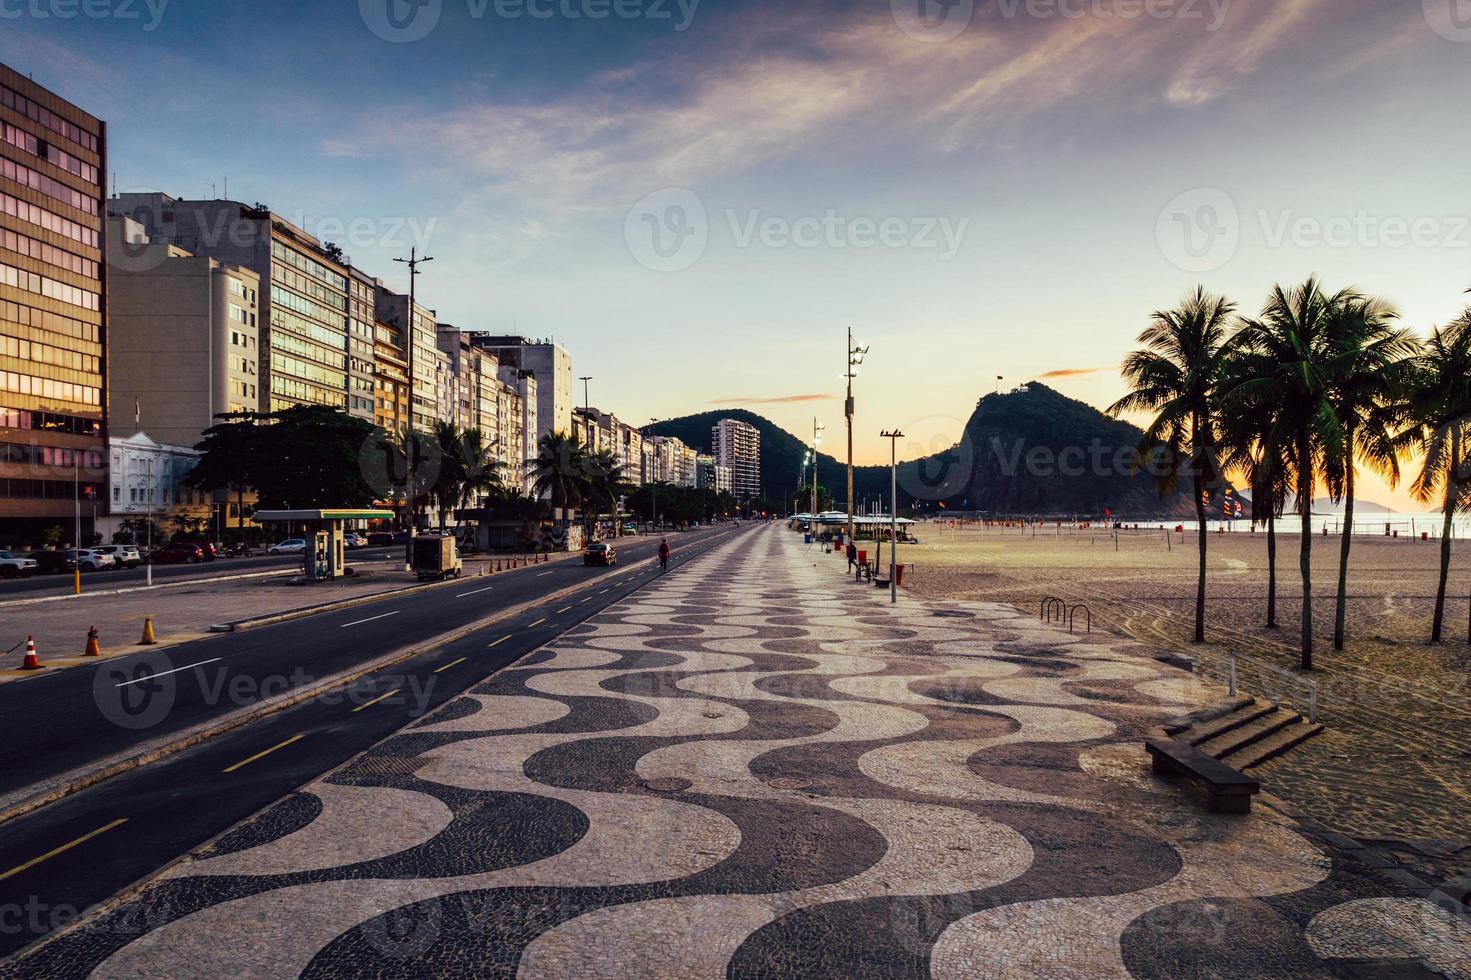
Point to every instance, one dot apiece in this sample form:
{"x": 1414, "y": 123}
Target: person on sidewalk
{"x": 664, "y": 555}
{"x": 852, "y": 556}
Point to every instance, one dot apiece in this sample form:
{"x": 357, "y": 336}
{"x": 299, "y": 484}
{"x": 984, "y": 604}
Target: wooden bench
{"x": 1226, "y": 790}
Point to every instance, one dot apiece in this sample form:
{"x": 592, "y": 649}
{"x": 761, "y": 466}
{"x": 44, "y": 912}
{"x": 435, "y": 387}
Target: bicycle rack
{"x": 1073, "y": 614}
{"x": 1051, "y": 604}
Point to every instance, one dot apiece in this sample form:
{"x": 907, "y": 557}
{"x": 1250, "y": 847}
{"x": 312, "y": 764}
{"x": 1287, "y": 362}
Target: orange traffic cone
{"x": 31, "y": 661}
{"x": 148, "y": 639}
{"x": 94, "y": 649}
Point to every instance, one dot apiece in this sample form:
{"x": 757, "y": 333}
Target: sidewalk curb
{"x": 140, "y": 588}
{"x": 18, "y": 805}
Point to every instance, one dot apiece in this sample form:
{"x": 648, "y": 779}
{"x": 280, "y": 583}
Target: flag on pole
{"x": 137, "y": 413}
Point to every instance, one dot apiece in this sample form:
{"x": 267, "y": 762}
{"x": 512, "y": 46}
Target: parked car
{"x": 177, "y": 553}
{"x": 353, "y": 540}
{"x": 54, "y": 562}
{"x": 125, "y": 555}
{"x": 380, "y": 539}
{"x": 599, "y": 553}
{"x": 16, "y": 566}
{"x": 291, "y": 546}
{"x": 92, "y": 560}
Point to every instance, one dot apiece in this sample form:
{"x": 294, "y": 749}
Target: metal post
{"x": 893, "y": 438}
{"x": 1233, "y": 675}
{"x": 413, "y": 262}
{"x": 1313, "y": 703}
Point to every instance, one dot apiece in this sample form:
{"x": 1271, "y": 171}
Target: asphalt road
{"x": 121, "y": 578}
{"x": 71, "y": 854}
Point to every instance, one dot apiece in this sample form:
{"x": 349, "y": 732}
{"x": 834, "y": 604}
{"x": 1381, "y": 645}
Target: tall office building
{"x": 428, "y": 366}
{"x": 552, "y": 367}
{"x": 53, "y": 306}
{"x": 305, "y": 293}
{"x": 737, "y": 445}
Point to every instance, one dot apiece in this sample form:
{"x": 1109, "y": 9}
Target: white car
{"x": 16, "y": 566}
{"x": 92, "y": 560}
{"x": 291, "y": 546}
{"x": 125, "y": 555}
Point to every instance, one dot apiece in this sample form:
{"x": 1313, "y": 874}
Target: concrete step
{"x": 1274, "y": 745}
{"x": 1239, "y": 737}
{"x": 1245, "y": 715}
{"x": 1184, "y": 723}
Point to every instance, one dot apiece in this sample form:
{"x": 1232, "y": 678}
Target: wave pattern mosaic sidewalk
{"x": 755, "y": 768}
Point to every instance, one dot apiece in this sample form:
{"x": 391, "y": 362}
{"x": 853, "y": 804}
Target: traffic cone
{"x": 94, "y": 649}
{"x": 148, "y": 639}
{"x": 31, "y": 662}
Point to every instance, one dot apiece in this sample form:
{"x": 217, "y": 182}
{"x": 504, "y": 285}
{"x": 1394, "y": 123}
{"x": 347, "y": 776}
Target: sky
{"x": 699, "y": 199}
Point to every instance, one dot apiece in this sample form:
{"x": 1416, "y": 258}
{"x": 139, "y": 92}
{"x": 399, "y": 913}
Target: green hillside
{"x": 1032, "y": 451}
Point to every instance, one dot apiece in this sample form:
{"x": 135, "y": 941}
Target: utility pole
{"x": 654, "y": 483}
{"x": 586, "y": 401}
{"x": 855, "y": 358}
{"x": 817, "y": 428}
{"x": 893, "y": 438}
{"x": 411, "y": 442}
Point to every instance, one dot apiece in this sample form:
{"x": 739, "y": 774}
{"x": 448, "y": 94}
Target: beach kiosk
{"x": 325, "y": 557}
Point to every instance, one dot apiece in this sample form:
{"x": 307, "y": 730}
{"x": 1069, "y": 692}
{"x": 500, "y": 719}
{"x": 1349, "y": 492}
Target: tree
{"x": 1290, "y": 348}
{"x": 602, "y": 481}
{"x": 231, "y": 449}
{"x": 1371, "y": 365}
{"x": 1440, "y": 404}
{"x": 559, "y": 469}
{"x": 1175, "y": 377}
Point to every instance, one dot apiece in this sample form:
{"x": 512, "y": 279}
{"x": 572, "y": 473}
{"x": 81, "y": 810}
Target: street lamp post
{"x": 654, "y": 483}
{"x": 855, "y": 359}
{"x": 586, "y": 400}
{"x": 411, "y": 443}
{"x": 893, "y": 438}
{"x": 817, "y": 428}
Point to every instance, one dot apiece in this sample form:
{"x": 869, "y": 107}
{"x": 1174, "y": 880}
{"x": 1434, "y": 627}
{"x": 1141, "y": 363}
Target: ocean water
{"x": 1381, "y": 524}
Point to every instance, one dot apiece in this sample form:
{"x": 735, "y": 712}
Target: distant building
{"x": 711, "y": 475}
{"x": 674, "y": 462}
{"x": 147, "y": 479}
{"x": 552, "y": 367}
{"x": 518, "y": 397}
{"x": 185, "y": 340}
{"x": 390, "y": 378}
{"x": 427, "y": 365}
{"x": 362, "y": 290}
{"x": 53, "y": 310}
{"x": 737, "y": 446}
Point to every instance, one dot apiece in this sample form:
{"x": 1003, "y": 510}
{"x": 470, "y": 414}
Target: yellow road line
{"x": 441, "y": 670}
{"x": 381, "y": 697}
{"x": 262, "y": 755}
{"x": 501, "y": 640}
{"x": 62, "y": 849}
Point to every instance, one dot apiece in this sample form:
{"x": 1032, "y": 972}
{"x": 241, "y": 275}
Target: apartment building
{"x": 53, "y": 311}
{"x": 549, "y": 363}
{"x": 362, "y": 290}
{"x": 185, "y": 339}
{"x": 737, "y": 446}
{"x": 674, "y": 462}
{"x": 305, "y": 289}
{"x": 711, "y": 475}
{"x": 427, "y": 365}
{"x": 390, "y": 377}
{"x": 518, "y": 397}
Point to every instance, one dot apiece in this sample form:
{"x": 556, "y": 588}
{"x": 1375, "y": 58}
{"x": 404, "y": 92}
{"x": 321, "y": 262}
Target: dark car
{"x": 178, "y": 553}
{"x": 54, "y": 562}
{"x": 380, "y": 539}
{"x": 599, "y": 553}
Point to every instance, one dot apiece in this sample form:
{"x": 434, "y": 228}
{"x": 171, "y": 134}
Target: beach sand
{"x": 1395, "y": 762}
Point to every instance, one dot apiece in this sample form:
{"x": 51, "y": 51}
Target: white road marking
{"x": 371, "y": 618}
{"x": 476, "y": 592}
{"x": 161, "y": 673}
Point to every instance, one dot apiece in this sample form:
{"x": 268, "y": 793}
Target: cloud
{"x": 782, "y": 400}
{"x": 1068, "y": 373}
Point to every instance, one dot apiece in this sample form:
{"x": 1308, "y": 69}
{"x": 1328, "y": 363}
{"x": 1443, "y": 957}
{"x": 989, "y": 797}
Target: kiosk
{"x": 325, "y": 557}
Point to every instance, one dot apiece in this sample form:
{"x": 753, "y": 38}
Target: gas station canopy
{"x": 345, "y": 514}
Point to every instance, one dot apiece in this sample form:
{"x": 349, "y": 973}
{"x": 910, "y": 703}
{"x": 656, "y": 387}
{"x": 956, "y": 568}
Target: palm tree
{"x": 1253, "y": 444}
{"x": 449, "y": 485}
{"x": 603, "y": 478}
{"x": 1371, "y": 367}
{"x": 558, "y": 469}
{"x": 1175, "y": 377}
{"x": 480, "y": 469}
{"x": 1440, "y": 403}
{"x": 1290, "y": 350}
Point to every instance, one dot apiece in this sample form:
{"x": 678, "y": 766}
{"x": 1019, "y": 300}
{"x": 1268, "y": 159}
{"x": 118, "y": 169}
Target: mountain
{"x": 1032, "y": 451}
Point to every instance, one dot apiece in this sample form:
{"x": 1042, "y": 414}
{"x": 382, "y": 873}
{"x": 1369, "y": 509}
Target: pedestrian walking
{"x": 852, "y": 556}
{"x": 664, "y": 555}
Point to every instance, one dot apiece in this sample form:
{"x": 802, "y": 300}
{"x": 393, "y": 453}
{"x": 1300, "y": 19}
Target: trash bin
{"x": 899, "y": 575}
{"x": 806, "y": 539}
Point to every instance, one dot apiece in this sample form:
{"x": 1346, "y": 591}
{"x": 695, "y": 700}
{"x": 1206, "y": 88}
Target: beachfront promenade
{"x": 755, "y": 767}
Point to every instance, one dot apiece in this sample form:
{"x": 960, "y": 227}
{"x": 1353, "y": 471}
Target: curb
{"x": 79, "y": 779}
{"x": 140, "y": 588}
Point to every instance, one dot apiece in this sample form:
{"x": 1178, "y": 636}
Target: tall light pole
{"x": 654, "y": 483}
{"x": 855, "y": 359}
{"x": 817, "y": 428}
{"x": 893, "y": 438}
{"x": 411, "y": 442}
{"x": 586, "y": 401}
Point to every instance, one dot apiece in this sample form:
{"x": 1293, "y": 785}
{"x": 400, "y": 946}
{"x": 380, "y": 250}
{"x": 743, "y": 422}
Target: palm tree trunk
{"x": 1271, "y": 571}
{"x": 1451, "y": 493}
{"x": 1200, "y": 585}
{"x": 1305, "y": 509}
{"x": 1341, "y": 614}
